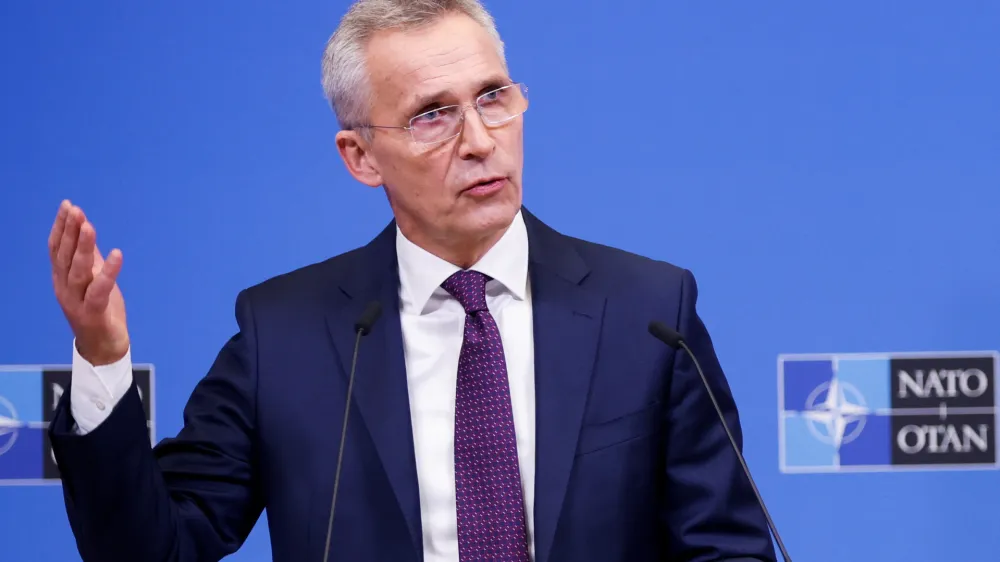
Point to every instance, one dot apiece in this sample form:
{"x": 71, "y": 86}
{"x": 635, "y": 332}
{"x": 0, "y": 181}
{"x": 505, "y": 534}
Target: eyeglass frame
{"x": 463, "y": 108}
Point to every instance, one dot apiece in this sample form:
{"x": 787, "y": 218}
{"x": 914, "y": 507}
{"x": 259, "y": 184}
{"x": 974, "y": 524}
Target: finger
{"x": 67, "y": 246}
{"x": 98, "y": 259}
{"x": 81, "y": 271}
{"x": 99, "y": 291}
{"x": 55, "y": 235}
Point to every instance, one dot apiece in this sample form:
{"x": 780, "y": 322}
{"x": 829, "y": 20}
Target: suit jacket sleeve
{"x": 191, "y": 498}
{"x": 712, "y": 511}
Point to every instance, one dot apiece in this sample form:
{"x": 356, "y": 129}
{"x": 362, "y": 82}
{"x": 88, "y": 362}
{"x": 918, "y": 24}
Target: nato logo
{"x": 885, "y": 412}
{"x": 28, "y": 399}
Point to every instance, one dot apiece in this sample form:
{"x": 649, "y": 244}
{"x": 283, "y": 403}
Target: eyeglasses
{"x": 495, "y": 107}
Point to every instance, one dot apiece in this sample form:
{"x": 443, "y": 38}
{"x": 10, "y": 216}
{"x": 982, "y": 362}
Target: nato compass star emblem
{"x": 9, "y": 425}
{"x": 840, "y": 417}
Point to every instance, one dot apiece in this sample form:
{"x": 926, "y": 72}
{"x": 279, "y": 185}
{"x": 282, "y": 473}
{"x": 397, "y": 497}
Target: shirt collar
{"x": 421, "y": 272}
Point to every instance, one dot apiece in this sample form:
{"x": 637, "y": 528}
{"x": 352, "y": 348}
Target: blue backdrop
{"x": 838, "y": 163}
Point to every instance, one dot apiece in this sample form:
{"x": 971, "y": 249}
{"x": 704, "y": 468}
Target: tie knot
{"x": 469, "y": 289}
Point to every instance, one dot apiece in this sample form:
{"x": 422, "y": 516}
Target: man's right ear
{"x": 357, "y": 156}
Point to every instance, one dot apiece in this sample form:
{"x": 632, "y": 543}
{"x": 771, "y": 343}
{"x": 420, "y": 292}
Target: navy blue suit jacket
{"x": 632, "y": 464}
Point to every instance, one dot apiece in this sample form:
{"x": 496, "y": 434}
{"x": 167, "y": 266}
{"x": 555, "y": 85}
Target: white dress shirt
{"x": 433, "y": 323}
{"x": 433, "y": 326}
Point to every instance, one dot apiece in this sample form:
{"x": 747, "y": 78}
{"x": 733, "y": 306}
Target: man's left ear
{"x": 356, "y": 154}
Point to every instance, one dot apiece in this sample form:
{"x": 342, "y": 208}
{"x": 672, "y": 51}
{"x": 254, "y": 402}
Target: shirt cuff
{"x": 94, "y": 391}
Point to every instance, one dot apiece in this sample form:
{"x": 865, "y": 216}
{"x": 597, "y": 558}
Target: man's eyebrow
{"x": 419, "y": 101}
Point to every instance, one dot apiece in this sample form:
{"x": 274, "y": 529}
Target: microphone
{"x": 362, "y": 327}
{"x": 670, "y": 337}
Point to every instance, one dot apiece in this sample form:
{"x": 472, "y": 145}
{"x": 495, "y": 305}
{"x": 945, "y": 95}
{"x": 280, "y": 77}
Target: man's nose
{"x": 476, "y": 141}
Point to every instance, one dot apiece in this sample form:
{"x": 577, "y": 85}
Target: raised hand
{"x": 86, "y": 288}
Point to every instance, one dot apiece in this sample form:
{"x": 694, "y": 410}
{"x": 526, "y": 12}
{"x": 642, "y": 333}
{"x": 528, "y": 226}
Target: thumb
{"x": 98, "y": 294}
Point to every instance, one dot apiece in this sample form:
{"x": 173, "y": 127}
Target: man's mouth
{"x": 486, "y": 186}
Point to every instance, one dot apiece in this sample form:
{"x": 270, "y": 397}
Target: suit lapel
{"x": 380, "y": 393}
{"x": 567, "y": 326}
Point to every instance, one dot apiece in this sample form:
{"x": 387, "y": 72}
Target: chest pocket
{"x": 635, "y": 425}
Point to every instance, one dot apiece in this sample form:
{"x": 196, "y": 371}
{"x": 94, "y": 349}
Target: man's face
{"x": 437, "y": 192}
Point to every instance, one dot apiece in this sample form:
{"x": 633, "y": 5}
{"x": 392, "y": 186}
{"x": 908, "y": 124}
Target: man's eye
{"x": 430, "y": 116}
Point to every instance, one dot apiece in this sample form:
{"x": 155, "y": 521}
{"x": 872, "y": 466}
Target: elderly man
{"x": 509, "y": 403}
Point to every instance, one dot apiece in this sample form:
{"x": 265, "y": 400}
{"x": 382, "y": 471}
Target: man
{"x": 509, "y": 403}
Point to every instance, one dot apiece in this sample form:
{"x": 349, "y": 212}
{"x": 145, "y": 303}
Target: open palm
{"x": 86, "y": 287}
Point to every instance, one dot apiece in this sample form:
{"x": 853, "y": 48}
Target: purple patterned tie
{"x": 487, "y": 477}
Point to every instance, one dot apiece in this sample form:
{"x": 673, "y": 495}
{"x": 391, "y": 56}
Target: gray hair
{"x": 345, "y": 78}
